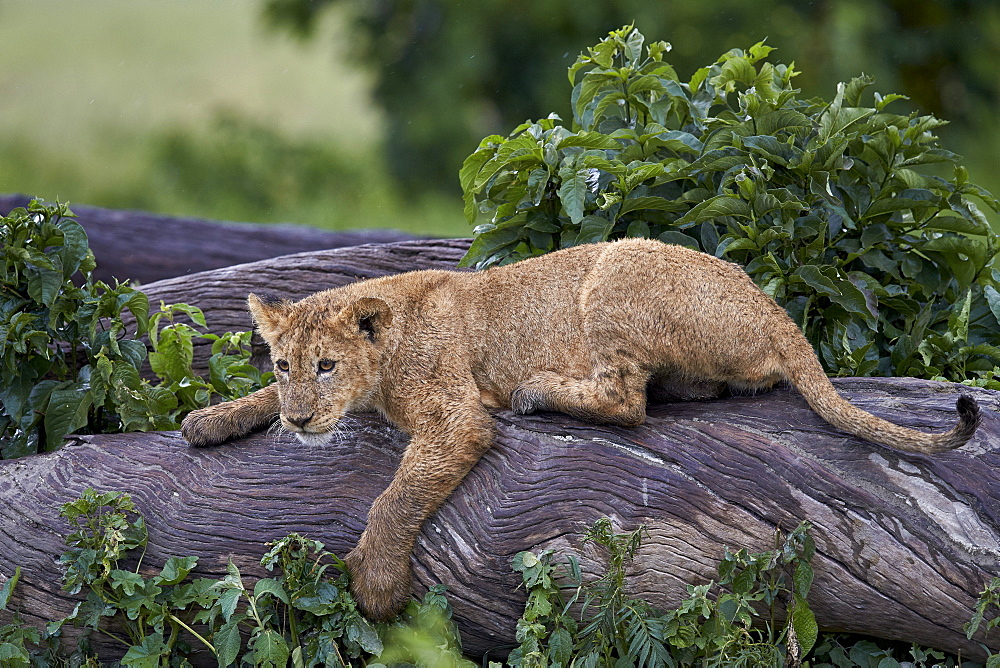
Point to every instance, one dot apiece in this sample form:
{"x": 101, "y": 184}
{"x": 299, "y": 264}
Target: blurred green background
{"x": 358, "y": 113}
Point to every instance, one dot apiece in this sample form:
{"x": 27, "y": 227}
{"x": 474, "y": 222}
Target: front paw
{"x": 203, "y": 427}
{"x": 381, "y": 587}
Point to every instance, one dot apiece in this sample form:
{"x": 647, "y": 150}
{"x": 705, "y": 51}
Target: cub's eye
{"x": 326, "y": 366}
{"x": 282, "y": 365}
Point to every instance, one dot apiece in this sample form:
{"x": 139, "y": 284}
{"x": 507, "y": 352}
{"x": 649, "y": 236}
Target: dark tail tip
{"x": 970, "y": 418}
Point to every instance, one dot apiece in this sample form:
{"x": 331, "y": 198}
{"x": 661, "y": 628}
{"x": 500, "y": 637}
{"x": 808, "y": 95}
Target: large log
{"x": 147, "y": 247}
{"x": 905, "y": 542}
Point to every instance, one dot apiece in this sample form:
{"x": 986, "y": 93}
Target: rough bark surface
{"x": 905, "y": 543}
{"x": 147, "y": 247}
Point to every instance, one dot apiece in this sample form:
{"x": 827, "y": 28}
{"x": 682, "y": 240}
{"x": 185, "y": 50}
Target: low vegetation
{"x": 73, "y": 349}
{"x": 305, "y": 616}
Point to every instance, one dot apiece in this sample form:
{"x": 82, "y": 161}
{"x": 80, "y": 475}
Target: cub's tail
{"x": 803, "y": 370}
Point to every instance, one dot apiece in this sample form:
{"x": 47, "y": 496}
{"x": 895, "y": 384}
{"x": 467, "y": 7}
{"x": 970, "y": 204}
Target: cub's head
{"x": 326, "y": 358}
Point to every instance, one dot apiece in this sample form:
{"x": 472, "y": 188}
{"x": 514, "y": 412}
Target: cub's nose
{"x": 300, "y": 421}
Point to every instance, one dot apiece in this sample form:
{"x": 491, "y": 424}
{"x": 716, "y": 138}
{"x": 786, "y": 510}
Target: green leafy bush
{"x": 718, "y": 624}
{"x": 886, "y": 265}
{"x": 303, "y": 616}
{"x": 70, "y": 366}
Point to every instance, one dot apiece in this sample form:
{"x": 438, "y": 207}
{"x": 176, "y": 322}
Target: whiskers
{"x": 276, "y": 428}
{"x": 341, "y": 430}
{"x": 345, "y": 426}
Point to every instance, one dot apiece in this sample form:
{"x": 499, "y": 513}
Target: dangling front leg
{"x": 232, "y": 419}
{"x": 433, "y": 464}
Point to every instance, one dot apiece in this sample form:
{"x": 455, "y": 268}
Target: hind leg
{"x": 614, "y": 394}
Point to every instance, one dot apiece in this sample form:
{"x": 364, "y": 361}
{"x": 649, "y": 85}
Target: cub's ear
{"x": 268, "y": 313}
{"x": 370, "y": 315}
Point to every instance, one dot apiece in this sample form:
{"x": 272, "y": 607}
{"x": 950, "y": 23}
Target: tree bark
{"x": 905, "y": 542}
{"x": 146, "y": 247}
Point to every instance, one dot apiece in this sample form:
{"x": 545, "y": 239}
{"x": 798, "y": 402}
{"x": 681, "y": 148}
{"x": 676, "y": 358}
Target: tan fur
{"x": 583, "y": 331}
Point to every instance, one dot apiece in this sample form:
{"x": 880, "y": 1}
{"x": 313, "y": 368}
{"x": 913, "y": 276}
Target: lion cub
{"x": 583, "y": 331}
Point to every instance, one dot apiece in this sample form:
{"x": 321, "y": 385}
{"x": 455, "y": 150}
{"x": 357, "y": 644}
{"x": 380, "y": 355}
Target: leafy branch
{"x": 70, "y": 366}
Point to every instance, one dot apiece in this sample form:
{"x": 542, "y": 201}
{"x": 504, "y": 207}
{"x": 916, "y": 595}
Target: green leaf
{"x": 633, "y": 46}
{"x": 908, "y": 200}
{"x": 474, "y": 163}
{"x": 487, "y": 245}
{"x": 814, "y": 278}
{"x": 8, "y": 588}
{"x": 804, "y": 623}
{"x": 638, "y": 229}
{"x": 855, "y": 88}
{"x": 136, "y": 302}
{"x": 679, "y": 239}
{"x": 174, "y": 353}
{"x": 125, "y": 581}
{"x": 614, "y": 99}
{"x": 272, "y": 587}
{"x": 802, "y": 578}
{"x": 773, "y": 122}
{"x": 645, "y": 203}
{"x": 772, "y": 149}
{"x": 13, "y": 656}
{"x": 228, "y": 601}
{"x": 837, "y": 119}
{"x": 958, "y": 321}
{"x": 270, "y": 650}
{"x": 594, "y": 229}
{"x": 67, "y": 410}
{"x": 359, "y": 630}
{"x": 132, "y": 351}
{"x": 993, "y": 299}
{"x": 147, "y": 654}
{"x": 680, "y": 142}
{"x": 44, "y": 285}
{"x": 882, "y": 102}
{"x": 573, "y": 192}
{"x": 735, "y": 70}
{"x": 838, "y": 290}
{"x": 716, "y": 207}
{"x": 594, "y": 140}
{"x": 560, "y": 646}
{"x": 175, "y": 570}
{"x": 227, "y": 642}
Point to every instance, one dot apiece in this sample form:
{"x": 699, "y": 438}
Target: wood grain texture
{"x": 147, "y": 247}
{"x": 905, "y": 542}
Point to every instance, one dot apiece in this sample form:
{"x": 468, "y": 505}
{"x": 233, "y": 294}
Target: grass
{"x": 120, "y": 103}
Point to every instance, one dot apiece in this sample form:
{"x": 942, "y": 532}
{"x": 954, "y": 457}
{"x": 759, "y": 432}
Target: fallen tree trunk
{"x": 905, "y": 543}
{"x": 147, "y": 247}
